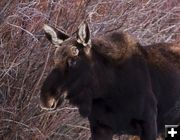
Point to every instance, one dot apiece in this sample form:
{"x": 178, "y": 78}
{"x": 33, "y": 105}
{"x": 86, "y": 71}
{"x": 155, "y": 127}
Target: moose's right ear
{"x": 55, "y": 36}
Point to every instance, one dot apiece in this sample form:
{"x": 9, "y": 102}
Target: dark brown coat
{"x": 121, "y": 86}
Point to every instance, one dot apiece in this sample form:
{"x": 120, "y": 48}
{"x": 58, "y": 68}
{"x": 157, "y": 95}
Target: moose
{"x": 121, "y": 86}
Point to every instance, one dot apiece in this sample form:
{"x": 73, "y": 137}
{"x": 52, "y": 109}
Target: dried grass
{"x": 26, "y": 56}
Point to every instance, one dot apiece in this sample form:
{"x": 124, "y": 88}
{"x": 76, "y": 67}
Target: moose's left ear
{"x": 83, "y": 34}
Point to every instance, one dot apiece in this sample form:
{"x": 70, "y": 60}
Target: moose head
{"x": 71, "y": 74}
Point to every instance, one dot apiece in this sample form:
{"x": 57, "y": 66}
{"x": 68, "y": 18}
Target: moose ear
{"x": 83, "y": 34}
{"x": 55, "y": 36}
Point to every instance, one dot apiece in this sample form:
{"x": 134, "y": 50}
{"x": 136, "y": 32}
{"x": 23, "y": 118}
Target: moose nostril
{"x": 52, "y": 103}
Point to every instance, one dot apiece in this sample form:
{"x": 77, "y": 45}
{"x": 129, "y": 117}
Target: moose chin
{"x": 121, "y": 86}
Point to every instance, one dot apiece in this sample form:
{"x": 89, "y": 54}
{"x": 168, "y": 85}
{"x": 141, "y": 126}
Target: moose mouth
{"x": 53, "y": 103}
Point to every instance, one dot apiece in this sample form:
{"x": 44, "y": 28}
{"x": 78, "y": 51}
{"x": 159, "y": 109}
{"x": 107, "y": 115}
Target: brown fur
{"x": 63, "y": 53}
{"x": 122, "y": 46}
{"x": 164, "y": 55}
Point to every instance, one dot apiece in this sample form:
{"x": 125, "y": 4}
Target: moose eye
{"x": 72, "y": 62}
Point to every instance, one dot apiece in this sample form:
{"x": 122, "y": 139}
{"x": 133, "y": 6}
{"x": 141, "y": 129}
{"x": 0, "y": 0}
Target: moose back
{"x": 120, "y": 85}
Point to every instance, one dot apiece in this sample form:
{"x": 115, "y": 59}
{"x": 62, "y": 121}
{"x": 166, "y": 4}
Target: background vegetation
{"x": 26, "y": 55}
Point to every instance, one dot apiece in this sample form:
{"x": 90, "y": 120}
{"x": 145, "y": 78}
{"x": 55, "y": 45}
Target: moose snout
{"x": 49, "y": 104}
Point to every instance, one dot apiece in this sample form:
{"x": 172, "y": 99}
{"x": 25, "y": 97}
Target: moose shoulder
{"x": 120, "y": 85}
